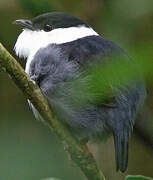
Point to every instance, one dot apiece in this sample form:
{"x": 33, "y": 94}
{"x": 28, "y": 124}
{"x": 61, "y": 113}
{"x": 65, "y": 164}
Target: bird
{"x": 62, "y": 55}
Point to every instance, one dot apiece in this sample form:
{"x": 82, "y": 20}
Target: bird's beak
{"x": 24, "y": 23}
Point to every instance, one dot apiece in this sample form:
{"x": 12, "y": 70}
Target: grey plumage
{"x": 55, "y": 74}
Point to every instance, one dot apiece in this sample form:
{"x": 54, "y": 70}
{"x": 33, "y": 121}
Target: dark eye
{"x": 47, "y": 27}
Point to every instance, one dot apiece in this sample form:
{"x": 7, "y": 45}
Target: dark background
{"x": 28, "y": 150}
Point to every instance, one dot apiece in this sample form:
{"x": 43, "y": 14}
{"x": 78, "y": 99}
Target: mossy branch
{"x": 32, "y": 92}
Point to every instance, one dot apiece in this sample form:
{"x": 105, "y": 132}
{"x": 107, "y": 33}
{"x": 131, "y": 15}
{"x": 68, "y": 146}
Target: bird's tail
{"x": 121, "y": 150}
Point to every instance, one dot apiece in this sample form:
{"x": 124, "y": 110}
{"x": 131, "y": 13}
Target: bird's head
{"x": 49, "y": 28}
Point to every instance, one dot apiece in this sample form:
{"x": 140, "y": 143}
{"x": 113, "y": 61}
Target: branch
{"x": 32, "y": 92}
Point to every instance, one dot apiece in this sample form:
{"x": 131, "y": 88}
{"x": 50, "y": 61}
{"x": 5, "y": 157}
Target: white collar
{"x": 29, "y": 42}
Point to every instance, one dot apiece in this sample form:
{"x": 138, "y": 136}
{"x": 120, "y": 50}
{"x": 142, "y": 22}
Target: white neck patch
{"x": 29, "y": 42}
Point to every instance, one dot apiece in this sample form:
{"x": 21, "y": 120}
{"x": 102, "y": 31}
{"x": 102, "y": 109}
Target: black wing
{"x": 124, "y": 103}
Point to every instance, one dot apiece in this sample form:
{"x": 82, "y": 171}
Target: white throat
{"x": 29, "y": 42}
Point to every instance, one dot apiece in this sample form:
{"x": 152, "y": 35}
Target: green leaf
{"x": 51, "y": 178}
{"x": 138, "y": 177}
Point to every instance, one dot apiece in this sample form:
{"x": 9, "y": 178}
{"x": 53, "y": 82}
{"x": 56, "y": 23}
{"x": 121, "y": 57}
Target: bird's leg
{"x": 84, "y": 142}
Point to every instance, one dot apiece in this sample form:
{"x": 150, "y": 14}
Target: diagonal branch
{"x": 32, "y": 92}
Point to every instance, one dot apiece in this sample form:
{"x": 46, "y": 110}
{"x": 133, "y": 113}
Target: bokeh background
{"x": 28, "y": 149}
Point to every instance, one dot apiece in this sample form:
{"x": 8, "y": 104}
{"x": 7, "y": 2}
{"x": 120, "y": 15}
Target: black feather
{"x": 121, "y": 150}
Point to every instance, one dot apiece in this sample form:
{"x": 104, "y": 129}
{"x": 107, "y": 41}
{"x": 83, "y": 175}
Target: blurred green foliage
{"x": 50, "y": 179}
{"x": 98, "y": 82}
{"x": 36, "y": 7}
{"x": 137, "y": 178}
{"x": 28, "y": 150}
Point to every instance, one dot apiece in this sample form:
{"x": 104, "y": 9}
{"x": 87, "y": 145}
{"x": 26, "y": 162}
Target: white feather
{"x": 29, "y": 42}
